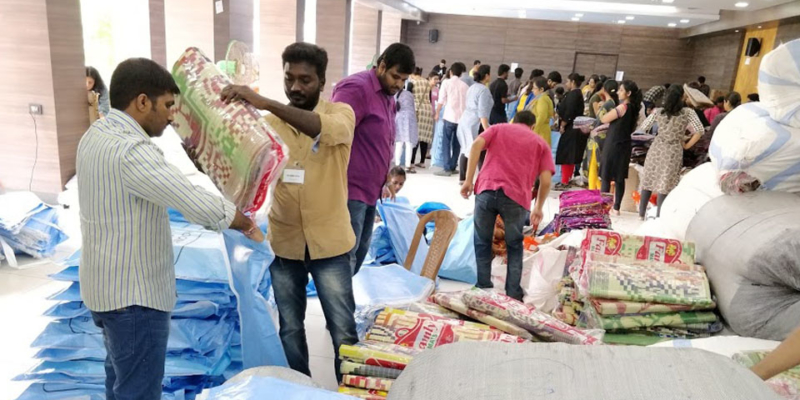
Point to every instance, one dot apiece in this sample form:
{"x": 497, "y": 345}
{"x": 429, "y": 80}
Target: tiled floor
{"x": 23, "y": 292}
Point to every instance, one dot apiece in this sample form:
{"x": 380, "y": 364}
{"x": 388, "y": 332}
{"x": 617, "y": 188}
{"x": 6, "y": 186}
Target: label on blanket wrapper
{"x": 639, "y": 247}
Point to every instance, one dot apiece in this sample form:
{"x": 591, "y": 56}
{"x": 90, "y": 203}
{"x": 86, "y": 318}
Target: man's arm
{"x": 472, "y": 165}
{"x": 785, "y": 357}
{"x": 146, "y": 174}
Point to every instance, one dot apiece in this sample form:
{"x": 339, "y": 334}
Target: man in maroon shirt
{"x": 371, "y": 95}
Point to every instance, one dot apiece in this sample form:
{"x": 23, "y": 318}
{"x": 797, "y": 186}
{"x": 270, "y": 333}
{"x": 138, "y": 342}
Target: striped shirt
{"x": 124, "y": 187}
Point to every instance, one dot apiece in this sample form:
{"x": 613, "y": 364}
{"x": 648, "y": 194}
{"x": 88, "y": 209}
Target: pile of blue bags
{"x": 223, "y": 322}
{"x": 28, "y": 226}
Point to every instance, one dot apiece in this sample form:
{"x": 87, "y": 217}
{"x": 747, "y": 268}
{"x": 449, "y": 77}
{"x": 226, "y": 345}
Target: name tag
{"x": 294, "y": 176}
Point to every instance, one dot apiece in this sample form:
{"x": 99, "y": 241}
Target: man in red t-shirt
{"x": 515, "y": 157}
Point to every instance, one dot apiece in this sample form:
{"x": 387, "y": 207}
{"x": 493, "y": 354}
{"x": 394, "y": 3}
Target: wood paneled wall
{"x": 158, "y": 34}
{"x": 235, "y": 22}
{"x": 649, "y": 56}
{"x": 390, "y": 29}
{"x": 278, "y": 28}
{"x": 716, "y": 56}
{"x": 188, "y": 23}
{"x": 331, "y": 36}
{"x": 43, "y": 63}
{"x": 747, "y": 75}
{"x": 788, "y": 30}
{"x": 364, "y": 37}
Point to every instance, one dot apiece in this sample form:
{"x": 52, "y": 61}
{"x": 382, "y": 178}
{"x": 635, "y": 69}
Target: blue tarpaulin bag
{"x": 459, "y": 262}
{"x": 401, "y": 222}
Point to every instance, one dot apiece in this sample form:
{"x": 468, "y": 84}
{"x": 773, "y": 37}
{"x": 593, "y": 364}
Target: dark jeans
{"x": 619, "y": 192}
{"x": 362, "y": 217}
{"x": 488, "y": 205}
{"x": 136, "y": 345}
{"x": 423, "y": 148}
{"x": 334, "y": 283}
{"x": 450, "y": 149}
{"x": 464, "y": 161}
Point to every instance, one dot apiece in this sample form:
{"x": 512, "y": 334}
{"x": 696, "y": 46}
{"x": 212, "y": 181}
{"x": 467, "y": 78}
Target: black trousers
{"x": 423, "y": 152}
{"x": 462, "y": 165}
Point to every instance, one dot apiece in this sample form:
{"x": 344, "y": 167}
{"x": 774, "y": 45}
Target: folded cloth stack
{"x": 28, "y": 226}
{"x": 786, "y": 384}
{"x": 455, "y": 301}
{"x": 583, "y": 209}
{"x": 369, "y": 368}
{"x": 237, "y": 149}
{"x": 207, "y": 331}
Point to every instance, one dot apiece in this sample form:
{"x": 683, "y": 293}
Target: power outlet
{"x": 35, "y": 109}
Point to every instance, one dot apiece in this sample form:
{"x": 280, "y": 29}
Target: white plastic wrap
{"x": 237, "y": 149}
{"x": 752, "y": 151}
{"x": 779, "y": 83}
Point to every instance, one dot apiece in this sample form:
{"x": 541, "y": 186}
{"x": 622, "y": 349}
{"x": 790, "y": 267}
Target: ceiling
{"x": 682, "y": 13}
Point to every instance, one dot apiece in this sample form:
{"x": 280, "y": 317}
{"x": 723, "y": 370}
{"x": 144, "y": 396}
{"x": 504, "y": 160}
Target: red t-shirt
{"x": 515, "y": 156}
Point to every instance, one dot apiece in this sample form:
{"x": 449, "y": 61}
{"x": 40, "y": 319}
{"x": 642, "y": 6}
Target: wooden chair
{"x": 446, "y": 224}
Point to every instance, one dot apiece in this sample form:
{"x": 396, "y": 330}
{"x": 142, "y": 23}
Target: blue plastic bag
{"x": 249, "y": 264}
{"x": 431, "y": 206}
{"x": 260, "y": 387}
{"x": 459, "y": 262}
{"x": 380, "y": 247}
{"x": 401, "y": 221}
{"x": 39, "y": 236}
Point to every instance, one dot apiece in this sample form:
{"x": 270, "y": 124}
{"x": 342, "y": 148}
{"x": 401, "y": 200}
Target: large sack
{"x": 238, "y": 150}
{"x": 750, "y": 246}
{"x": 779, "y": 83}
{"x": 750, "y": 151}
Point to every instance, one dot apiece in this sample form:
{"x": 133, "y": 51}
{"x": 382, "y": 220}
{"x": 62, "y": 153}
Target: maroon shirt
{"x": 373, "y": 142}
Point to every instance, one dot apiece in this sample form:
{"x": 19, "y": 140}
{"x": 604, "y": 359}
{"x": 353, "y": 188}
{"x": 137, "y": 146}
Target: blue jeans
{"x": 488, "y": 205}
{"x": 334, "y": 283}
{"x": 450, "y": 149}
{"x": 362, "y": 217}
{"x": 136, "y": 345}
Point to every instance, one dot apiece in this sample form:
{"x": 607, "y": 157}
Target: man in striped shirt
{"x": 125, "y": 185}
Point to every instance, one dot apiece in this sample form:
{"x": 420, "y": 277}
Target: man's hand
{"x": 191, "y": 151}
{"x": 536, "y": 219}
{"x": 247, "y": 226}
{"x": 467, "y": 189}
{"x": 240, "y": 92}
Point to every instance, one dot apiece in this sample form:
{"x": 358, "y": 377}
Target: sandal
{"x": 411, "y": 170}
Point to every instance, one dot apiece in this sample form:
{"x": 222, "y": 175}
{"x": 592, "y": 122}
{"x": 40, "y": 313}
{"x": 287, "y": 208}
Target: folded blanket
{"x": 688, "y": 320}
{"x": 454, "y": 301}
{"x": 624, "y": 307}
{"x": 638, "y": 247}
{"x": 657, "y": 283}
{"x": 366, "y": 382}
{"x": 237, "y": 149}
{"x": 363, "y": 394}
{"x": 354, "y": 368}
{"x": 786, "y": 384}
{"x": 540, "y": 324}
{"x": 378, "y": 354}
{"x": 409, "y": 330}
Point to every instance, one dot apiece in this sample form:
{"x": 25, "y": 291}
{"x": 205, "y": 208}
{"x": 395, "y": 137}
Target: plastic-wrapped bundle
{"x": 455, "y": 302}
{"x": 779, "y": 83}
{"x": 378, "y": 354}
{"x": 39, "y": 236}
{"x": 238, "y": 150}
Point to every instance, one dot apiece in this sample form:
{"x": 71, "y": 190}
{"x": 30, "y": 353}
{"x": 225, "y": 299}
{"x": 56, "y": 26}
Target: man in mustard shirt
{"x": 309, "y": 227}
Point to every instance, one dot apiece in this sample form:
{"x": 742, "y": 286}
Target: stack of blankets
{"x": 28, "y": 226}
{"x": 582, "y": 209}
{"x": 640, "y": 290}
{"x": 206, "y": 336}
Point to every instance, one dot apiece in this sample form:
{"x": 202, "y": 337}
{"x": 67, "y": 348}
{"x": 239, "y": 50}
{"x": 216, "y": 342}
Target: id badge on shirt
{"x": 294, "y": 174}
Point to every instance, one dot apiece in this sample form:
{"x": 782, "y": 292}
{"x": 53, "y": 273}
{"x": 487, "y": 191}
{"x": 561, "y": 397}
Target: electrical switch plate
{"x": 35, "y": 109}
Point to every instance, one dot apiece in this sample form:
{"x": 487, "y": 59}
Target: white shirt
{"x": 124, "y": 188}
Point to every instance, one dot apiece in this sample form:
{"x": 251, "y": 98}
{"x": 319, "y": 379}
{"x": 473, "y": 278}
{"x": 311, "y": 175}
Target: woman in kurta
{"x": 475, "y": 118}
{"x": 407, "y": 133}
{"x": 662, "y": 167}
{"x": 616, "y": 155}
{"x": 572, "y": 143}
{"x": 422, "y": 106}
{"x": 542, "y": 108}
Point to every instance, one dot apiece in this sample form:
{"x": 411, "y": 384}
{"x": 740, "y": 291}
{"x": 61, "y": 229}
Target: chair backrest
{"x": 446, "y": 225}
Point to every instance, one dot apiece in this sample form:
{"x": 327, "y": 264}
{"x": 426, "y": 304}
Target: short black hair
{"x": 536, "y": 73}
{"x": 554, "y": 76}
{"x": 458, "y": 68}
{"x": 735, "y": 99}
{"x": 307, "y": 53}
{"x": 476, "y": 62}
{"x": 560, "y": 90}
{"x": 525, "y": 117}
{"x": 136, "y": 76}
{"x": 719, "y": 100}
{"x": 518, "y": 72}
{"x": 397, "y": 171}
{"x": 701, "y": 79}
{"x": 443, "y": 61}
{"x": 400, "y": 55}
{"x": 753, "y": 97}
{"x": 480, "y": 74}
{"x": 502, "y": 69}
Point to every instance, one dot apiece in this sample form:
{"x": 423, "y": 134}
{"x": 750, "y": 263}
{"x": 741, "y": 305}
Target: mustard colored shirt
{"x": 314, "y": 214}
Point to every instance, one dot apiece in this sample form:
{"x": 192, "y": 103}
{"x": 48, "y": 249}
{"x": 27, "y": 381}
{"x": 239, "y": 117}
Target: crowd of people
{"x": 342, "y": 150}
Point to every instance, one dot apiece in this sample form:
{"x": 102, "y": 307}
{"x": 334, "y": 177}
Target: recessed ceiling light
{"x": 578, "y": 15}
{"x": 576, "y": 19}
{"x": 684, "y": 21}
{"x": 622, "y": 21}
{"x": 630, "y": 17}
{"x": 759, "y": 27}
{"x": 667, "y": 1}
{"x": 741, "y": 4}
{"x": 672, "y": 24}
{"x": 737, "y": 31}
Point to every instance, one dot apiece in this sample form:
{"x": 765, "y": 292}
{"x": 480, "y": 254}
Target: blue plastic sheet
{"x": 249, "y": 263}
{"x": 259, "y": 387}
{"x": 380, "y": 247}
{"x": 401, "y": 222}
{"x": 39, "y": 236}
{"x": 431, "y": 206}
{"x": 459, "y": 262}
